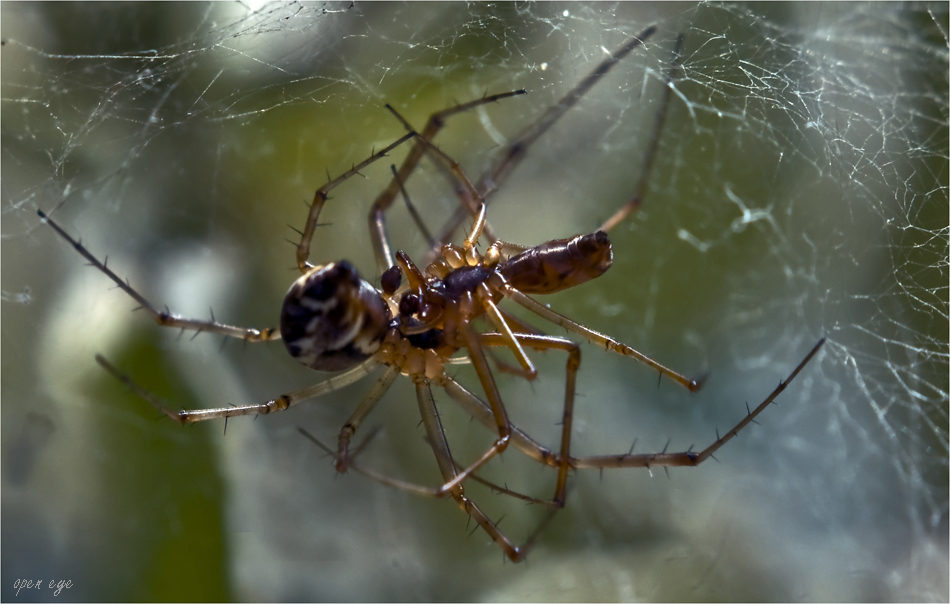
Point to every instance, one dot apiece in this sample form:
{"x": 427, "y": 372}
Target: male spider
{"x": 333, "y": 320}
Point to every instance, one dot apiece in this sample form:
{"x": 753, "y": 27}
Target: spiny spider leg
{"x": 472, "y": 341}
{"x": 689, "y": 458}
{"x": 359, "y": 414}
{"x": 383, "y": 251}
{"x": 520, "y": 327}
{"x": 165, "y": 319}
{"x": 504, "y": 490}
{"x": 452, "y": 472}
{"x": 464, "y": 188}
{"x": 567, "y": 417}
{"x": 598, "y": 338}
{"x": 634, "y": 203}
{"x": 320, "y": 197}
{"x": 512, "y": 154}
{"x": 416, "y": 217}
{"x": 282, "y": 402}
{"x": 378, "y": 233}
{"x": 516, "y": 151}
{"x": 440, "y": 446}
{"x": 480, "y": 411}
{"x": 415, "y": 489}
{"x": 435, "y": 436}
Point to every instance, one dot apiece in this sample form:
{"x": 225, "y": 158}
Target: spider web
{"x": 799, "y": 191}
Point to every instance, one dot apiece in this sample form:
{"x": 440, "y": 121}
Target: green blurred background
{"x": 800, "y": 190}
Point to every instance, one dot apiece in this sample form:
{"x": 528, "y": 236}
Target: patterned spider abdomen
{"x": 332, "y": 319}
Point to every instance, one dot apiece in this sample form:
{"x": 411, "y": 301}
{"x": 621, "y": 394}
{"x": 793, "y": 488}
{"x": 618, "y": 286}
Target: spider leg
{"x": 416, "y": 217}
{"x": 165, "y": 319}
{"x": 453, "y": 473}
{"x": 282, "y": 402}
{"x": 512, "y": 155}
{"x": 320, "y": 197}
{"x": 480, "y": 363}
{"x": 634, "y": 203}
{"x": 435, "y": 436}
{"x": 465, "y": 190}
{"x": 479, "y": 226}
{"x": 519, "y": 325}
{"x": 504, "y": 367}
{"x": 688, "y": 458}
{"x": 381, "y": 246}
{"x": 495, "y": 316}
{"x": 501, "y": 424}
{"x": 362, "y": 410}
{"x": 597, "y": 338}
{"x": 507, "y": 250}
{"x": 453, "y": 487}
{"x": 567, "y": 417}
{"x": 504, "y": 490}
{"x": 480, "y": 411}
{"x": 415, "y": 489}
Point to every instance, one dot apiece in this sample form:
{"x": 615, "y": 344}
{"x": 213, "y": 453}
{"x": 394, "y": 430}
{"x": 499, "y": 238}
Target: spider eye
{"x": 332, "y": 319}
{"x": 409, "y": 304}
{"x": 391, "y": 280}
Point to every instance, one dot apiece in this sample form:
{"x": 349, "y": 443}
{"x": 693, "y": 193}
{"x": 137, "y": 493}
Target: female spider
{"x": 333, "y": 320}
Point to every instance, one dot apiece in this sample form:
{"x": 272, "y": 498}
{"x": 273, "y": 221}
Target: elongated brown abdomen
{"x": 559, "y": 264}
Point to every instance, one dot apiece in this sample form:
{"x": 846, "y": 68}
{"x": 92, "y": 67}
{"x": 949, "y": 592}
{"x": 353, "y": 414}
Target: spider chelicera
{"x": 421, "y": 320}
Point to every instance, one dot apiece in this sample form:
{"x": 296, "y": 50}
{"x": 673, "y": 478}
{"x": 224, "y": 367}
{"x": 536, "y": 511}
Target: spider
{"x": 420, "y": 320}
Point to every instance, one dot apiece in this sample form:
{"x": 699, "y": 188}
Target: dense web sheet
{"x": 800, "y": 191}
